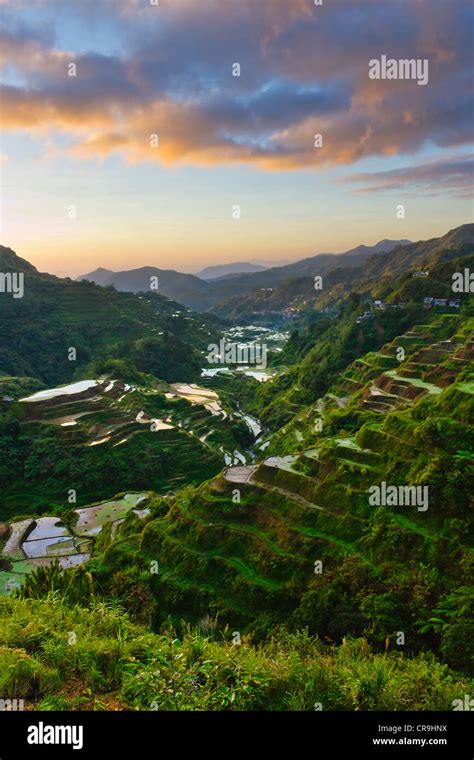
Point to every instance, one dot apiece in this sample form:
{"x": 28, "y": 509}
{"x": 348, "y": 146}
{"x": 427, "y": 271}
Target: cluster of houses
{"x": 369, "y": 314}
{"x": 428, "y": 303}
{"x": 382, "y": 305}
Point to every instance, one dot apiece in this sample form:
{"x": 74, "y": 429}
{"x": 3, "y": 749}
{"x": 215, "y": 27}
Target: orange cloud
{"x": 304, "y": 72}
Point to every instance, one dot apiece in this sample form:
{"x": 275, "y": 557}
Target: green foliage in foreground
{"x": 56, "y": 656}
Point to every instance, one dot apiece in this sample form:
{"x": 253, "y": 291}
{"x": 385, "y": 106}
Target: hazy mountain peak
{"x": 222, "y": 270}
{"x": 387, "y": 244}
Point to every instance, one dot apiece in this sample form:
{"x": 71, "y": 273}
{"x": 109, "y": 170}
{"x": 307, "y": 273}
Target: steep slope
{"x": 11, "y": 262}
{"x": 323, "y": 344}
{"x": 295, "y": 539}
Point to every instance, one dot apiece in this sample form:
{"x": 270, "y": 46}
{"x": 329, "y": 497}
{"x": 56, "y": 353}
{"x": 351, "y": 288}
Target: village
{"x": 429, "y": 302}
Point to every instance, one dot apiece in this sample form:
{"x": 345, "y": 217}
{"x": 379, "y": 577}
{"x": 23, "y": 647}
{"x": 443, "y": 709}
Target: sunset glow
{"x": 130, "y": 118}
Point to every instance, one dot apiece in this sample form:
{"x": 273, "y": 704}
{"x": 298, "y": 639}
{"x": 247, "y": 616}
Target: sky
{"x": 128, "y": 140}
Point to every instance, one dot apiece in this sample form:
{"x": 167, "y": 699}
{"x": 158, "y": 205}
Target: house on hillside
{"x": 383, "y": 306}
{"x": 364, "y": 316}
{"x": 429, "y": 302}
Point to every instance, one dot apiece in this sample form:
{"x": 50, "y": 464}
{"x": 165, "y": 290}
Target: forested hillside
{"x": 148, "y": 333}
{"x": 248, "y": 568}
{"x": 367, "y": 273}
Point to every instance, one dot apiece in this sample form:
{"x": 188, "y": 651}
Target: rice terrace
{"x": 236, "y": 375}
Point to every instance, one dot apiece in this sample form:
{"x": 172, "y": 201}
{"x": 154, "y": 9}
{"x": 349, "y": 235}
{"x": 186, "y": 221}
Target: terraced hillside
{"x": 417, "y": 364}
{"x": 97, "y": 436}
{"x": 325, "y": 344}
{"x": 266, "y": 506}
{"x": 293, "y": 539}
{"x": 41, "y": 542}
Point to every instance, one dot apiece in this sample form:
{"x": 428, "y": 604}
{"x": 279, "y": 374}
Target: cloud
{"x": 304, "y": 70}
{"x": 453, "y": 175}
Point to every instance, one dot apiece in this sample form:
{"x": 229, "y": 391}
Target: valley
{"x": 224, "y": 496}
{"x": 236, "y": 376}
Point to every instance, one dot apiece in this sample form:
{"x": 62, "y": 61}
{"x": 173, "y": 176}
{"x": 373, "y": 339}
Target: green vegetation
{"x": 147, "y": 333}
{"x": 336, "y": 600}
{"x": 251, "y": 562}
{"x": 60, "y": 656}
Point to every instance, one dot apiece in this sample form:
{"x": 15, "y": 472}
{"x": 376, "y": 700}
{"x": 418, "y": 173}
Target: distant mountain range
{"x": 204, "y": 294}
{"x": 252, "y": 296}
{"x": 54, "y": 314}
{"x": 187, "y": 289}
{"x": 360, "y": 270}
{"x": 229, "y": 270}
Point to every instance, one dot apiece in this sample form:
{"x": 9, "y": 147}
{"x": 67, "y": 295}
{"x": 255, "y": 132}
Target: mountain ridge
{"x": 224, "y": 270}
{"x": 371, "y": 272}
{"x": 203, "y": 295}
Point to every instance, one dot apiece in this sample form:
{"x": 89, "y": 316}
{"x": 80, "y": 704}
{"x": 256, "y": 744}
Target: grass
{"x": 233, "y": 561}
{"x": 111, "y": 663}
